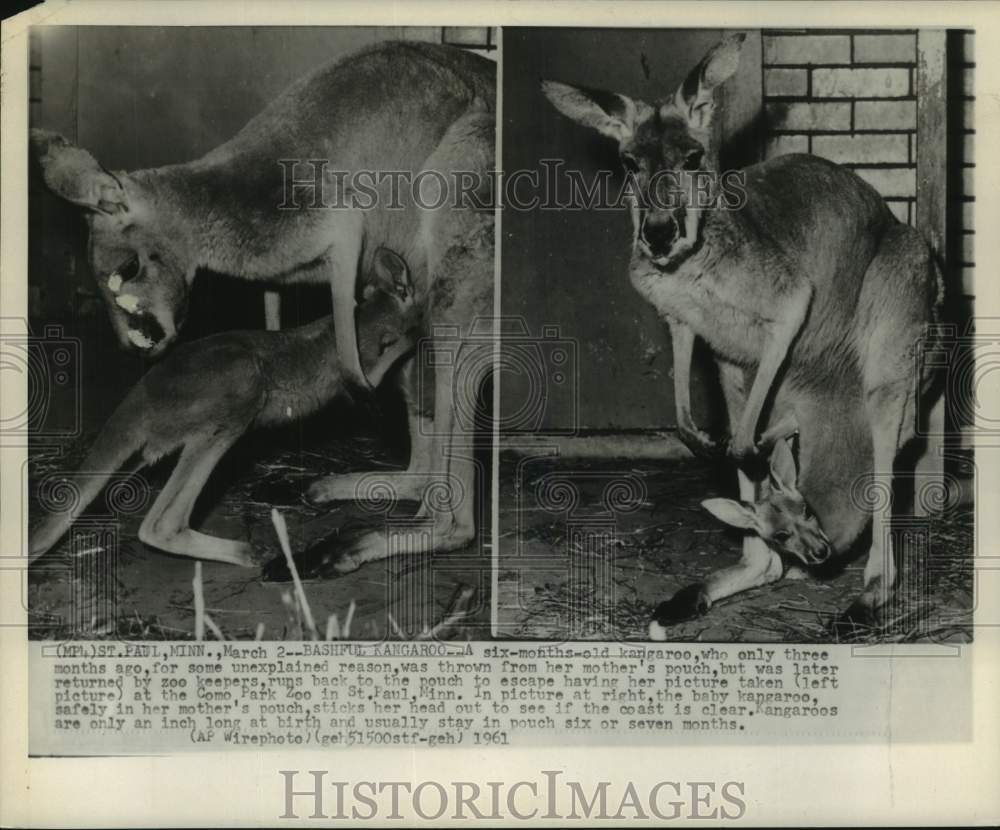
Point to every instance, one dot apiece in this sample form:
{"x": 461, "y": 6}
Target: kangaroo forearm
{"x": 776, "y": 348}
{"x": 682, "y": 341}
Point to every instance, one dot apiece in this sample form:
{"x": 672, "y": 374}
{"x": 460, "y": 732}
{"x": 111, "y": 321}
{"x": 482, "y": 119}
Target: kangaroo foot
{"x": 323, "y": 559}
{"x": 858, "y": 621}
{"x": 197, "y": 545}
{"x": 865, "y": 616}
{"x": 351, "y": 547}
{"x": 332, "y": 488}
{"x": 400, "y": 486}
{"x": 686, "y": 604}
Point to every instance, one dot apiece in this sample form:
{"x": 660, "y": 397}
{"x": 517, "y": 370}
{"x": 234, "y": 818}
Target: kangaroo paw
{"x": 701, "y": 444}
{"x": 686, "y": 604}
{"x": 344, "y": 551}
{"x": 324, "y": 559}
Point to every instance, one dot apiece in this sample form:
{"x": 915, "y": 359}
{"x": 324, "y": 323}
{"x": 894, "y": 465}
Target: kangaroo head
{"x": 780, "y": 516}
{"x": 388, "y": 319}
{"x": 141, "y": 259}
{"x": 663, "y": 146}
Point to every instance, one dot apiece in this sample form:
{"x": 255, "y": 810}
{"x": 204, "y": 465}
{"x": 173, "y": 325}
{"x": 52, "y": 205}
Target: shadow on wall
{"x": 569, "y": 268}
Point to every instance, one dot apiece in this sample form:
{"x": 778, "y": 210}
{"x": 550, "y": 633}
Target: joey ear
{"x": 392, "y": 273}
{"x": 783, "y": 473}
{"x": 737, "y": 514}
{"x": 610, "y": 113}
{"x": 696, "y": 96}
{"x": 76, "y": 176}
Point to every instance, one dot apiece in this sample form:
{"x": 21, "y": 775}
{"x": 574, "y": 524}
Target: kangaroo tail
{"x": 64, "y": 499}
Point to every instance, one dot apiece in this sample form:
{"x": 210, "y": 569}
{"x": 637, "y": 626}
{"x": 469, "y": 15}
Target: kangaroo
{"x": 460, "y": 248}
{"x": 786, "y": 533}
{"x": 205, "y": 394}
{"x": 805, "y": 278}
{"x": 386, "y": 110}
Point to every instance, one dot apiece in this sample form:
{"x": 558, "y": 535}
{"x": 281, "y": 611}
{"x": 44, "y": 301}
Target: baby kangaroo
{"x": 206, "y": 394}
{"x": 784, "y": 533}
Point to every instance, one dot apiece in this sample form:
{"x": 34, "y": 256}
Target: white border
{"x": 790, "y": 785}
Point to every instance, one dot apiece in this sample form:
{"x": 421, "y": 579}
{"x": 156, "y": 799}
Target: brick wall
{"x": 849, "y": 97}
{"x": 961, "y": 138}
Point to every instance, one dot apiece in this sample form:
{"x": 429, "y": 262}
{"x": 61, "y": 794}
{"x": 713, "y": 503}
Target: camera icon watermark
{"x": 417, "y": 575}
{"x": 466, "y": 358}
{"x": 539, "y": 376}
{"x": 962, "y": 364}
{"x": 50, "y": 366}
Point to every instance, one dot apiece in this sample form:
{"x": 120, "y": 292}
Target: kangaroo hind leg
{"x": 167, "y": 525}
{"x": 444, "y": 520}
{"x": 891, "y": 412}
{"x": 114, "y": 446}
{"x": 405, "y": 485}
{"x": 890, "y": 403}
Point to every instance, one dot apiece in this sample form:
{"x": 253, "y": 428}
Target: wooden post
{"x": 272, "y": 310}
{"x": 932, "y": 204}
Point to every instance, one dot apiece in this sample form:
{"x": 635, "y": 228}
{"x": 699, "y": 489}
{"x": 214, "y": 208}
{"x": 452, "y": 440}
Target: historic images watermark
{"x": 312, "y": 794}
{"x": 315, "y": 184}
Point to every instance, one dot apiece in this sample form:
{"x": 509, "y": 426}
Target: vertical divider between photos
{"x": 497, "y": 345}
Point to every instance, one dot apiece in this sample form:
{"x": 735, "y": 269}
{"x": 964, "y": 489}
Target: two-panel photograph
{"x": 419, "y": 394}
{"x": 708, "y": 338}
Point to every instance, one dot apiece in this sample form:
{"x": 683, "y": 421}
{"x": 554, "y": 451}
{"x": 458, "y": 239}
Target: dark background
{"x": 138, "y": 97}
{"x": 570, "y": 267}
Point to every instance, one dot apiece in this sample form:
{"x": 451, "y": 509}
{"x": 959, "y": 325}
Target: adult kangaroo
{"x": 243, "y": 210}
{"x": 459, "y": 244}
{"x": 805, "y": 279}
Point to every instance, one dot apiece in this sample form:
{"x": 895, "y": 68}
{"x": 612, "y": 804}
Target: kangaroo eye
{"x": 782, "y": 536}
{"x": 630, "y": 162}
{"x": 385, "y": 342}
{"x": 129, "y": 270}
{"x": 692, "y": 161}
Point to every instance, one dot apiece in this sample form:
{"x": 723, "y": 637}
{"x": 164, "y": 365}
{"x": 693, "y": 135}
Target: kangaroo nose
{"x": 825, "y": 551}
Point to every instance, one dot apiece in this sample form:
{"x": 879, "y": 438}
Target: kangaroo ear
{"x": 783, "y": 473}
{"x": 392, "y": 273}
{"x": 732, "y": 512}
{"x": 611, "y": 114}
{"x": 696, "y": 96}
{"x": 76, "y": 176}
